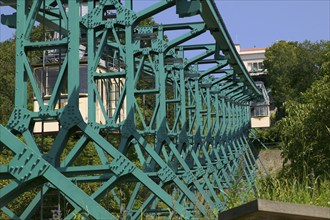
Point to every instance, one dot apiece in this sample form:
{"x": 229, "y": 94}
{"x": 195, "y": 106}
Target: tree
{"x": 7, "y": 79}
{"x": 299, "y": 75}
{"x": 292, "y": 68}
{"x": 325, "y": 58}
{"x": 305, "y": 132}
{"x": 7, "y": 74}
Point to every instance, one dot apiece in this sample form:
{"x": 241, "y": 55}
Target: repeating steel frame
{"x": 189, "y": 151}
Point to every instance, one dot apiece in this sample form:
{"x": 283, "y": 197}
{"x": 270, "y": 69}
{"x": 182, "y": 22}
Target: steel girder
{"x": 178, "y": 154}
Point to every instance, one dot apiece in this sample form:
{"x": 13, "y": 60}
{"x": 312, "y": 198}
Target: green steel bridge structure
{"x": 184, "y": 139}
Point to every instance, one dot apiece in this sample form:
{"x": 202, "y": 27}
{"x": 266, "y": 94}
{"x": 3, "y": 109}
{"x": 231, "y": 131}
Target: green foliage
{"x": 7, "y": 73}
{"x": 237, "y": 194}
{"x": 7, "y": 79}
{"x": 305, "y": 132}
{"x": 299, "y": 77}
{"x": 310, "y": 191}
{"x": 267, "y": 136}
{"x": 325, "y": 66}
{"x": 292, "y": 68}
{"x": 147, "y": 21}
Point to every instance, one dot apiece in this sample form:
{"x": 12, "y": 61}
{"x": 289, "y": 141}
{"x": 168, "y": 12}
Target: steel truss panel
{"x": 183, "y": 141}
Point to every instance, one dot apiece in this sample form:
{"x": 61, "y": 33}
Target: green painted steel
{"x": 169, "y": 130}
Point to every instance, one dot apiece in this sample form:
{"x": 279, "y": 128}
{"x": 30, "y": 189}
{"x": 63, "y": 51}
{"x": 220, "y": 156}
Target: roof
{"x": 253, "y": 49}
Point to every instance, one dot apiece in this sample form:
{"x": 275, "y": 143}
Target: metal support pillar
{"x": 167, "y": 131}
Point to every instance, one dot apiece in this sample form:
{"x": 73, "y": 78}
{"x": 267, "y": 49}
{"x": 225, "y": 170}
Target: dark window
{"x": 109, "y": 12}
{"x": 83, "y": 87}
{"x": 40, "y": 79}
{"x": 115, "y": 89}
{"x": 255, "y": 66}
{"x": 260, "y": 111}
{"x": 51, "y": 78}
{"x": 46, "y": 80}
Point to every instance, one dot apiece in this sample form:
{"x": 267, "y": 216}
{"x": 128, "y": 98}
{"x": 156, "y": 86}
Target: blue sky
{"x": 258, "y": 23}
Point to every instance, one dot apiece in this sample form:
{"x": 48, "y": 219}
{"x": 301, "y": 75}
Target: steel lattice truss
{"x": 184, "y": 138}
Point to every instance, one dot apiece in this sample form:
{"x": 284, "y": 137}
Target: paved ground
{"x": 272, "y": 159}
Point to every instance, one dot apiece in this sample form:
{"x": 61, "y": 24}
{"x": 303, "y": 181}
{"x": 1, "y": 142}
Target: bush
{"x": 305, "y": 132}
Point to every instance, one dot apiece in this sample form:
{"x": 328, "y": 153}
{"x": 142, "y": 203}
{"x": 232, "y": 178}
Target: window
{"x": 46, "y": 80}
{"x": 83, "y": 87}
{"x": 115, "y": 90}
{"x": 259, "y": 111}
{"x": 109, "y": 12}
{"x": 249, "y": 67}
{"x": 255, "y": 66}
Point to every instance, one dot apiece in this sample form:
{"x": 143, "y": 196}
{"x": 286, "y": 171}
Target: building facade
{"x": 253, "y": 60}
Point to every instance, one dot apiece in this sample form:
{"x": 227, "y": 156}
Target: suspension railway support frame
{"x": 179, "y": 157}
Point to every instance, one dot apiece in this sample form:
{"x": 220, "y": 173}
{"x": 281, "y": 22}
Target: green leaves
{"x": 7, "y": 79}
{"x": 311, "y": 192}
{"x": 7, "y": 74}
{"x": 299, "y": 76}
{"x": 293, "y": 67}
{"x": 305, "y": 132}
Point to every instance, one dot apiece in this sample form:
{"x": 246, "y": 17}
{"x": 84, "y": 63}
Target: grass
{"x": 310, "y": 191}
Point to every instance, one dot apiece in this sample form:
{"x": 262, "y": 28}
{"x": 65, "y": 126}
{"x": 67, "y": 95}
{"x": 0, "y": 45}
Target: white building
{"x": 108, "y": 89}
{"x": 253, "y": 60}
